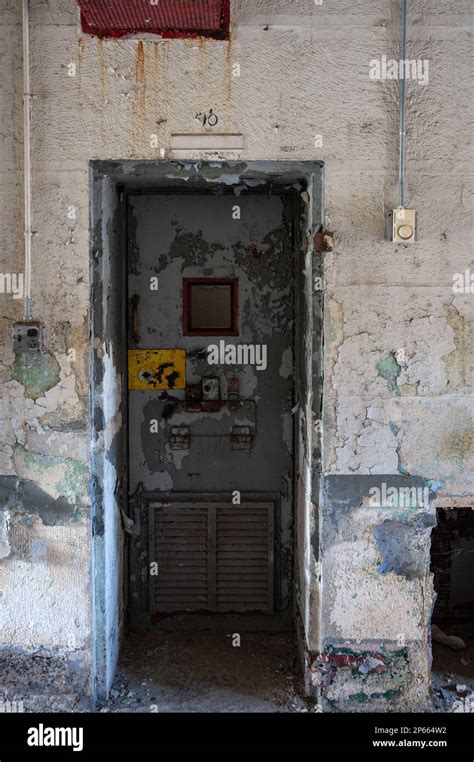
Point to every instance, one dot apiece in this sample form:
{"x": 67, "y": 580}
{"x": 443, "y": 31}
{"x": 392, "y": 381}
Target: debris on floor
{"x": 203, "y": 672}
{"x": 453, "y": 672}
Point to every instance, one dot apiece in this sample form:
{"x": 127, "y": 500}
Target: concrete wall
{"x": 386, "y": 413}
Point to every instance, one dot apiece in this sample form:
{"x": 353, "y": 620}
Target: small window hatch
{"x": 210, "y": 306}
{"x": 168, "y": 18}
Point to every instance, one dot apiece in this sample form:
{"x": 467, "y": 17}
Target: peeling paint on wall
{"x": 36, "y": 372}
{"x": 4, "y": 535}
{"x": 389, "y": 369}
{"x": 381, "y": 418}
{"x": 404, "y": 550}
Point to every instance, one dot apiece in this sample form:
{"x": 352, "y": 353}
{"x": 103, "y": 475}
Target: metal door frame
{"x": 110, "y": 181}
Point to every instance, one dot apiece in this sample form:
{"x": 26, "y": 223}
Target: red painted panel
{"x": 169, "y": 18}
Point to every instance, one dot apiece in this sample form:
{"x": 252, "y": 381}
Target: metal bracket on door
{"x": 180, "y": 438}
{"x": 241, "y": 437}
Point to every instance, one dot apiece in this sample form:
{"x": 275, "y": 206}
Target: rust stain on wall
{"x": 139, "y": 106}
{"x": 229, "y": 76}
{"x": 139, "y": 64}
{"x": 80, "y": 60}
{"x": 203, "y": 65}
{"x": 157, "y": 88}
{"x": 102, "y": 91}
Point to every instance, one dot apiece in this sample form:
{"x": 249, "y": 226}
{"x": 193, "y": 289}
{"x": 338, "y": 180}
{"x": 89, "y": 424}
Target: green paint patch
{"x": 362, "y": 698}
{"x": 65, "y": 418}
{"x": 389, "y": 369}
{"x": 36, "y": 372}
{"x": 409, "y": 515}
{"x": 75, "y": 479}
{"x": 57, "y": 476}
{"x": 360, "y": 677}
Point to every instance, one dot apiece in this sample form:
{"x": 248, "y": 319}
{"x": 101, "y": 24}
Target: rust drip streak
{"x": 139, "y": 111}
{"x": 102, "y": 92}
{"x": 80, "y": 58}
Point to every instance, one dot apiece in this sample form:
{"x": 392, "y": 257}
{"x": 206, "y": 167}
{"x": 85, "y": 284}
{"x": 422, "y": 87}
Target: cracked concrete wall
{"x": 398, "y": 361}
{"x": 44, "y": 429}
{"x": 397, "y": 369}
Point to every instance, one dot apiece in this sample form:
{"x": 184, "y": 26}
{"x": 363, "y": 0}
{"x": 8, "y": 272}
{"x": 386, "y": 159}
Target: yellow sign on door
{"x": 156, "y": 369}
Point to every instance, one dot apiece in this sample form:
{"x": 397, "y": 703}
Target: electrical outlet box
{"x": 401, "y": 225}
{"x": 27, "y": 336}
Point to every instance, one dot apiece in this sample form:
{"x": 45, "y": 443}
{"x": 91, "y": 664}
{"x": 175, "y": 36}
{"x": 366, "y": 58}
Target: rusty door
{"x": 210, "y": 378}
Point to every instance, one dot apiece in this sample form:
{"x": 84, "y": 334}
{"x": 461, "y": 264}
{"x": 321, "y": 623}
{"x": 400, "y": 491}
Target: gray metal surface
{"x": 245, "y": 444}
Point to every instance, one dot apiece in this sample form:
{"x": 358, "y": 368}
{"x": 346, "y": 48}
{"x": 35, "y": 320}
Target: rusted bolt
{"x": 323, "y": 241}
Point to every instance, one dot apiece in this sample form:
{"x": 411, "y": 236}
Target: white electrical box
{"x": 402, "y": 225}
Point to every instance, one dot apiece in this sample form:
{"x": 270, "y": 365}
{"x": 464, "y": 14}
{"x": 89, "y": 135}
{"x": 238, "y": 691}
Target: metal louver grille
{"x": 212, "y": 557}
{"x": 244, "y": 559}
{"x": 115, "y": 18}
{"x": 180, "y": 546}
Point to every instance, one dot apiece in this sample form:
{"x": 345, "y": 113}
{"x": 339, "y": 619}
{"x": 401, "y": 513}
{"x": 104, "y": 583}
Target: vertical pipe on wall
{"x": 401, "y": 153}
{"x": 27, "y": 159}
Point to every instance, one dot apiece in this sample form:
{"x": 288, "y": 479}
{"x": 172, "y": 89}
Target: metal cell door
{"x": 211, "y": 393}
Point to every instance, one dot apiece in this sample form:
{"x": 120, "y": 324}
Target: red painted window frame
{"x": 188, "y": 282}
{"x": 223, "y": 33}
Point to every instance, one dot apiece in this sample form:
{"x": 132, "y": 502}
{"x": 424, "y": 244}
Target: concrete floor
{"x": 204, "y": 672}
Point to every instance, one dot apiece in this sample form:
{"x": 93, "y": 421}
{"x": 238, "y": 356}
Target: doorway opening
{"x": 452, "y": 563}
{"x": 204, "y": 361}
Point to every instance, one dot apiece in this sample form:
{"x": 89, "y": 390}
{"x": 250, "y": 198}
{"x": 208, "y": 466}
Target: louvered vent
{"x": 212, "y": 557}
{"x": 244, "y": 559}
{"x": 180, "y": 540}
{"x": 169, "y": 18}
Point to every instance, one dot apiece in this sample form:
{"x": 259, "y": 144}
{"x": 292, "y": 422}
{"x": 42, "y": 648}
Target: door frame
{"x": 110, "y": 182}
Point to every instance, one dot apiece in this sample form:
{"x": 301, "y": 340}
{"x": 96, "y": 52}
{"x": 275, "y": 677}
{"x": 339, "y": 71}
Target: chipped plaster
{"x": 380, "y": 298}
